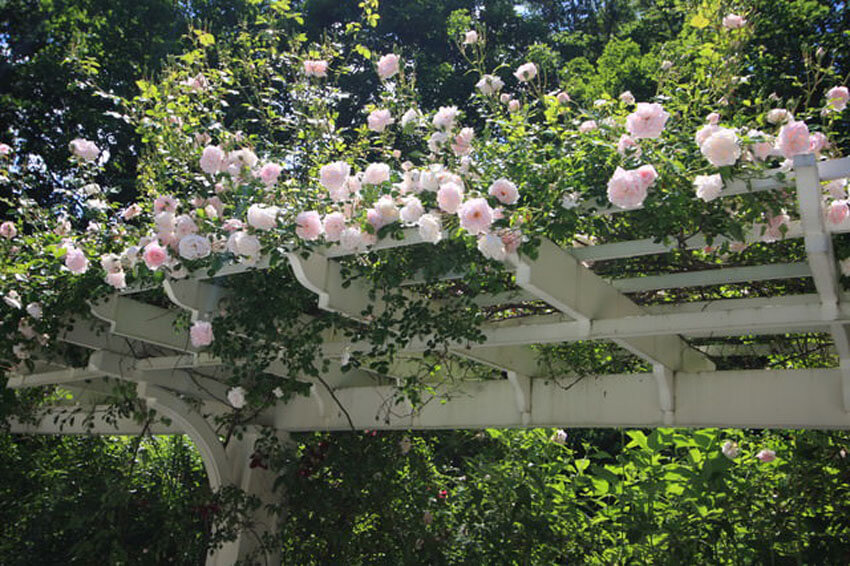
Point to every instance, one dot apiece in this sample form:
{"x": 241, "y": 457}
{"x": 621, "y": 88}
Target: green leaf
{"x": 699, "y": 21}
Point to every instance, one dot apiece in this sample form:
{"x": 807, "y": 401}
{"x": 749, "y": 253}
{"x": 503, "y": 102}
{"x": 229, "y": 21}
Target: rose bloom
{"x": 449, "y": 197}
{"x": 245, "y": 245}
{"x": 836, "y": 189}
{"x": 351, "y": 239}
{"x": 412, "y": 210}
{"x": 559, "y": 437}
{"x": 333, "y": 175}
{"x": 766, "y": 455}
{"x": 837, "y": 212}
{"x": 193, "y": 247}
{"x": 511, "y": 239}
{"x": 5, "y": 149}
{"x": 778, "y": 115}
{"x": 563, "y": 97}
{"x": 269, "y": 173}
{"x": 111, "y": 263}
{"x": 513, "y": 106}
{"x": 131, "y": 212}
{"x": 793, "y": 139}
{"x": 666, "y": 65}
{"x": 236, "y": 397}
{"x": 647, "y": 121}
{"x": 476, "y": 216}
{"x": 308, "y": 225}
{"x": 430, "y": 228}
{"x": 470, "y": 37}
{"x": 262, "y": 217}
{"x": 708, "y": 187}
{"x": 734, "y": 21}
{"x": 76, "y": 261}
{"x": 647, "y": 175}
{"x": 627, "y": 97}
{"x": 730, "y": 449}
{"x": 201, "y": 334}
{"x": 378, "y": 120}
{"x": 526, "y": 72}
{"x": 773, "y": 230}
{"x": 492, "y": 247}
{"x": 316, "y": 68}
{"x": 388, "y": 65}
{"x": 154, "y": 255}
{"x": 116, "y": 280}
{"x": 13, "y": 299}
{"x": 626, "y": 189}
{"x": 462, "y": 144}
{"x": 761, "y": 149}
{"x": 84, "y": 149}
{"x": 837, "y": 97}
{"x": 587, "y": 126}
{"x": 333, "y": 224}
{"x": 8, "y": 230}
{"x": 704, "y": 133}
{"x": 713, "y": 118}
{"x": 445, "y": 117}
{"x": 165, "y": 203}
{"x": 437, "y": 141}
{"x": 184, "y": 225}
{"x": 505, "y": 191}
{"x": 387, "y": 209}
{"x": 626, "y": 145}
{"x": 35, "y": 310}
{"x": 376, "y": 173}
{"x": 722, "y": 148}
{"x": 212, "y": 159}
{"x": 489, "y": 85}
{"x": 410, "y": 117}
{"x": 817, "y": 142}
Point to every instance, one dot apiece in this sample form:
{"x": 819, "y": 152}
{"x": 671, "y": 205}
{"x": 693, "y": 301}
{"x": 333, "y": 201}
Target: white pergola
{"x": 684, "y": 388}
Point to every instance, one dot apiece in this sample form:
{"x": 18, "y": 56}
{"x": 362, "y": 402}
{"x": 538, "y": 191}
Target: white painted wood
{"x": 140, "y": 321}
{"x": 664, "y": 380}
{"x": 101, "y": 420}
{"x": 713, "y": 277}
{"x": 69, "y": 375}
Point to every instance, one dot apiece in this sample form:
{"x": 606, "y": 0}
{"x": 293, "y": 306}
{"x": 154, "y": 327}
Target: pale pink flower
{"x": 412, "y": 210}
{"x": 626, "y": 189}
{"x": 13, "y": 299}
{"x": 117, "y": 280}
{"x": 704, "y": 133}
{"x": 201, "y": 334}
{"x": 774, "y": 229}
{"x": 793, "y": 139}
{"x": 730, "y": 449}
{"x": 35, "y": 310}
{"x": 308, "y": 225}
{"x": 713, "y": 118}
{"x": 817, "y": 142}
{"x": 449, "y": 197}
{"x": 837, "y": 97}
{"x": 245, "y": 245}
{"x": 212, "y": 159}
{"x": 626, "y": 97}
{"x": 761, "y": 149}
{"x": 316, "y": 68}
{"x": 193, "y": 247}
{"x": 184, "y": 225}
{"x": 733, "y": 21}
{"x": 374, "y": 218}
{"x": 836, "y": 189}
{"x": 722, "y": 147}
{"x": 8, "y": 230}
{"x": 269, "y": 173}
{"x": 84, "y": 149}
{"x": 708, "y": 187}
{"x": 437, "y": 141}
{"x": 462, "y": 144}
{"x": 351, "y": 239}
{"x": 430, "y": 228}
{"x": 647, "y": 175}
{"x": 778, "y": 116}
{"x": 5, "y": 149}
{"x": 526, "y": 72}
{"x": 492, "y": 247}
{"x": 154, "y": 255}
{"x": 131, "y": 211}
{"x": 559, "y": 437}
{"x": 476, "y": 216}
{"x": 262, "y": 217}
{"x": 766, "y": 455}
{"x": 511, "y": 239}
{"x": 410, "y": 117}
{"x": 647, "y": 121}
{"x": 76, "y": 261}
{"x": 111, "y": 263}
{"x": 388, "y": 65}
{"x": 236, "y": 397}
{"x": 504, "y": 98}
{"x": 232, "y": 224}
{"x": 445, "y": 117}
{"x": 837, "y": 212}
{"x": 334, "y": 224}
{"x": 470, "y": 37}
{"x": 165, "y": 203}
{"x": 376, "y": 173}
{"x": 387, "y": 209}
{"x": 489, "y": 85}
{"x": 587, "y": 126}
{"x": 333, "y": 175}
{"x": 504, "y": 191}
{"x": 378, "y": 120}
{"x": 562, "y": 98}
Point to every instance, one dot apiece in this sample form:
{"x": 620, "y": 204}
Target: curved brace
{"x": 324, "y": 277}
{"x": 664, "y": 379}
{"x": 522, "y": 394}
{"x": 199, "y": 298}
{"x": 198, "y": 429}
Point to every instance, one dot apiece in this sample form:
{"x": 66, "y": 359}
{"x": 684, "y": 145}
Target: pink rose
{"x": 489, "y": 85}
{"x": 626, "y": 145}
{"x": 184, "y": 225}
{"x": 5, "y": 149}
{"x": 245, "y": 245}
{"x": 774, "y": 229}
{"x": 430, "y": 228}
{"x": 378, "y": 120}
{"x": 333, "y": 175}
{"x": 713, "y": 118}
{"x": 704, "y": 133}
{"x": 511, "y": 239}
{"x": 232, "y": 224}
{"x": 794, "y": 139}
{"x": 445, "y": 117}
{"x": 778, "y": 115}
{"x": 766, "y": 456}
{"x": 492, "y": 247}
{"x": 733, "y": 21}
{"x": 262, "y": 217}
{"x": 505, "y": 191}
{"x": 212, "y": 159}
{"x": 463, "y": 142}
{"x": 817, "y": 142}
{"x": 165, "y": 203}
{"x": 351, "y": 239}
{"x": 201, "y": 334}
{"x": 154, "y": 255}
{"x": 236, "y": 397}
{"x": 526, "y": 72}
{"x": 308, "y": 225}
{"x": 412, "y": 210}
{"x": 76, "y": 261}
{"x": 269, "y": 173}
{"x": 316, "y": 68}
{"x": 449, "y": 197}
{"x": 333, "y": 225}
{"x": 84, "y": 149}
{"x": 837, "y": 212}
{"x": 722, "y": 148}
{"x": 647, "y": 121}
{"x": 131, "y": 211}
{"x": 626, "y": 97}
{"x": 387, "y": 208}
{"x": 513, "y": 106}
{"x": 562, "y": 98}
{"x": 470, "y": 37}
{"x": 475, "y": 216}
{"x": 8, "y": 230}
{"x": 730, "y": 449}
{"x": 587, "y": 126}
{"x": 708, "y": 186}
{"x": 116, "y": 280}
{"x": 376, "y": 173}
{"x": 837, "y": 97}
{"x": 388, "y": 65}
{"x": 194, "y": 247}
{"x": 626, "y": 189}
